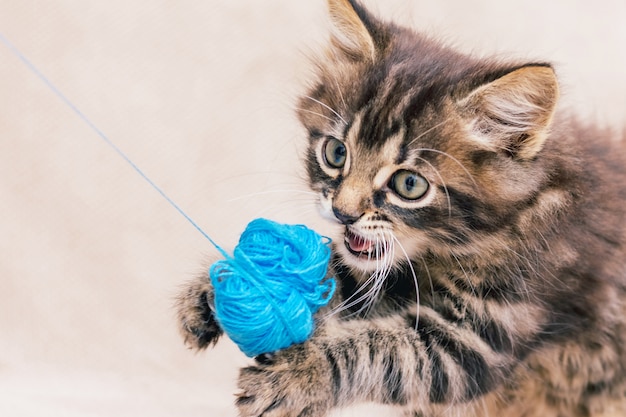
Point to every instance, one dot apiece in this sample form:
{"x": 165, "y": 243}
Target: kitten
{"x": 483, "y": 261}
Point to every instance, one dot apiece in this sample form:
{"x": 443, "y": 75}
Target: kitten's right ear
{"x": 351, "y": 30}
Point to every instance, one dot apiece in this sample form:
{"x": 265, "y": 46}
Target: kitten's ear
{"x": 351, "y": 26}
{"x": 514, "y": 112}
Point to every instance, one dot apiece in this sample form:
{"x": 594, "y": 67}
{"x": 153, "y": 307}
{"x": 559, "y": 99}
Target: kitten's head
{"x": 416, "y": 148}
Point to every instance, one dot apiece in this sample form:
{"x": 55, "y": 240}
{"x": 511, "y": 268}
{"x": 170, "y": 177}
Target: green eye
{"x": 335, "y": 153}
{"x": 408, "y": 185}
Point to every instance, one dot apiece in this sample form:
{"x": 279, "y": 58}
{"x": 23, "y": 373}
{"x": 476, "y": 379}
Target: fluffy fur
{"x": 482, "y": 268}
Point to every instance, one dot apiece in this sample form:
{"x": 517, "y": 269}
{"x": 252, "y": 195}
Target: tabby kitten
{"x": 483, "y": 261}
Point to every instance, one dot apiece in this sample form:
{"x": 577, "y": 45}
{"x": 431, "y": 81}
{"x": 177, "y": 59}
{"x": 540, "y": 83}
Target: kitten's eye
{"x": 335, "y": 153}
{"x": 408, "y": 185}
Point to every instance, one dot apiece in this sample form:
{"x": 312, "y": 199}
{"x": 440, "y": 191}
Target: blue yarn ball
{"x": 267, "y": 293}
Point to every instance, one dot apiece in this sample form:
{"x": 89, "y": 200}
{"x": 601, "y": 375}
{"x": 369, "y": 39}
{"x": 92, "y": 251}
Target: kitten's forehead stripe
{"x": 403, "y": 153}
{"x": 346, "y": 129}
{"x": 351, "y": 135}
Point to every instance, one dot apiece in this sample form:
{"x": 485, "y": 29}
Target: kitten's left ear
{"x": 514, "y": 112}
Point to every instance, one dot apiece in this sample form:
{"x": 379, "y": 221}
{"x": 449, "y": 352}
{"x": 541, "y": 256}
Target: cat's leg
{"x": 196, "y": 320}
{"x": 428, "y": 368}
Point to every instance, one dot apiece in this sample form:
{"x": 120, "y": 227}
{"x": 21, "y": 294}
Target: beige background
{"x": 200, "y": 95}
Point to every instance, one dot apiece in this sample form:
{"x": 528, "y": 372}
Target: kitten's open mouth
{"x": 363, "y": 247}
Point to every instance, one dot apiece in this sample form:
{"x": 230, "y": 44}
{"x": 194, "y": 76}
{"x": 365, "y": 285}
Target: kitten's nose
{"x": 345, "y": 218}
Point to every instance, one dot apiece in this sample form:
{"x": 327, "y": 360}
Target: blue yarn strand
{"x": 52, "y": 87}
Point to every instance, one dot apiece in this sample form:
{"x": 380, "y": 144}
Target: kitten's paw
{"x": 295, "y": 383}
{"x": 196, "y": 320}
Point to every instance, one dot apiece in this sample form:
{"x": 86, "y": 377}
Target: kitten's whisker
{"x": 427, "y": 131}
{"x": 259, "y": 193}
{"x": 328, "y": 107}
{"x": 430, "y": 278}
{"x": 415, "y": 280}
{"x": 363, "y": 298}
{"x": 371, "y": 293}
{"x": 385, "y": 252}
{"x": 345, "y": 106}
{"x": 467, "y": 278}
{"x": 381, "y": 272}
{"x": 316, "y": 113}
{"x": 288, "y": 210}
{"x": 552, "y": 281}
{"x": 301, "y": 206}
{"x": 459, "y": 163}
{"x": 256, "y": 174}
{"x": 353, "y": 299}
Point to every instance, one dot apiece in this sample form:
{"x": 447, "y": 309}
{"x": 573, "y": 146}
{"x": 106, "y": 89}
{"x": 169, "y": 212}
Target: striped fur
{"x": 500, "y": 289}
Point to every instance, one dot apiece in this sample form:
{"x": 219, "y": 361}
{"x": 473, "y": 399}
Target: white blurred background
{"x": 200, "y": 94}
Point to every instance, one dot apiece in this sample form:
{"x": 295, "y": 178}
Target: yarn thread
{"x": 265, "y": 296}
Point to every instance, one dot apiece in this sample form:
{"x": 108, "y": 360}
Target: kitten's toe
{"x": 257, "y": 396}
{"x": 196, "y": 320}
{"x": 265, "y": 358}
